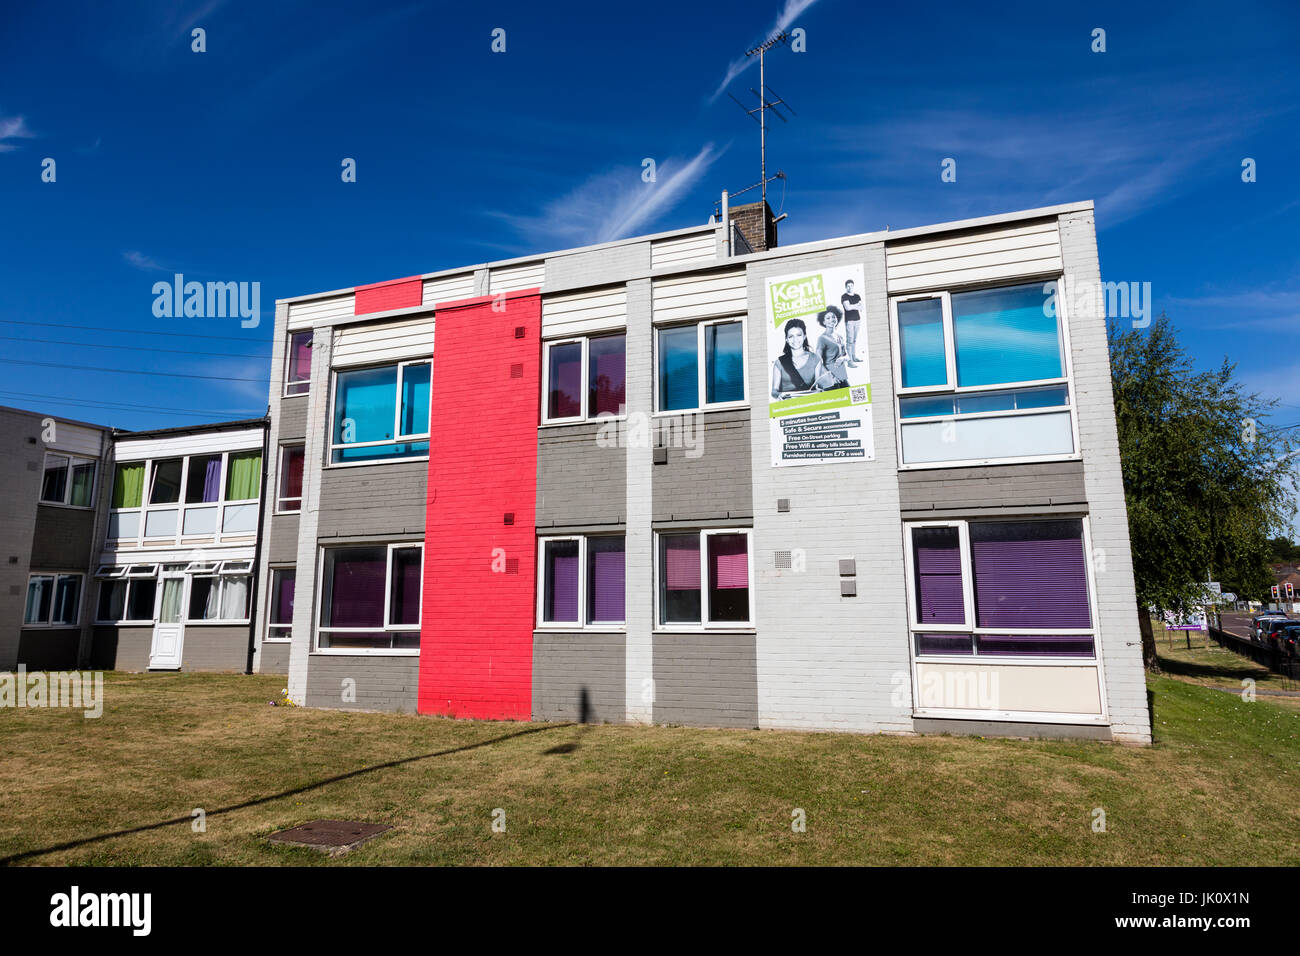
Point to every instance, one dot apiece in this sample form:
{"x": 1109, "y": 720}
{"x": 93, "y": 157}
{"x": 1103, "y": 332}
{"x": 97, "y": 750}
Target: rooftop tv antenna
{"x": 765, "y": 103}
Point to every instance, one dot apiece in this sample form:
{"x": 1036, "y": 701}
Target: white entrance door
{"x": 169, "y": 632}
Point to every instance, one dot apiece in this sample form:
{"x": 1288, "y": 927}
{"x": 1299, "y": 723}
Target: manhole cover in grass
{"x": 334, "y": 837}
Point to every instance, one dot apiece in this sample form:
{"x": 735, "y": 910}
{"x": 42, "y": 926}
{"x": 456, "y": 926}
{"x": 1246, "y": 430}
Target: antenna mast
{"x": 764, "y": 104}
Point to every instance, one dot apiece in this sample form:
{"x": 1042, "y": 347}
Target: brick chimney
{"x": 754, "y": 220}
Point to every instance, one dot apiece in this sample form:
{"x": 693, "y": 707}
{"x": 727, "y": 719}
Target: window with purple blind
{"x": 355, "y": 581}
{"x": 564, "y": 381}
{"x": 1029, "y": 574}
{"x": 606, "y": 375}
{"x": 291, "y": 478}
{"x": 679, "y": 581}
{"x": 728, "y": 577}
{"x": 404, "y": 583}
{"x": 937, "y": 553}
{"x": 605, "y": 580}
{"x": 282, "y": 587}
{"x": 298, "y": 379}
{"x": 560, "y": 576}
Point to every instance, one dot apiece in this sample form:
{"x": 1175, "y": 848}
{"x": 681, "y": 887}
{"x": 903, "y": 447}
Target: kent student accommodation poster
{"x": 819, "y": 383}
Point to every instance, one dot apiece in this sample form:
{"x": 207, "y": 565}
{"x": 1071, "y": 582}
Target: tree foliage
{"x": 1206, "y": 481}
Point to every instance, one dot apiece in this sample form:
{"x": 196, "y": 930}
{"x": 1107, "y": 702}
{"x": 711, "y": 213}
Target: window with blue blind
{"x": 922, "y": 358}
{"x": 378, "y": 411}
{"x": 701, "y": 365}
{"x": 981, "y": 376}
{"x": 1027, "y": 582}
{"x": 1005, "y": 335}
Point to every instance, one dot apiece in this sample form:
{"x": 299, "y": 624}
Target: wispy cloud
{"x": 784, "y": 19}
{"x": 143, "y": 262}
{"x": 12, "y": 128}
{"x": 614, "y": 203}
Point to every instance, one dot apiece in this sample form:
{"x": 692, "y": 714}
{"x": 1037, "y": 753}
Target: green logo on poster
{"x": 797, "y": 297}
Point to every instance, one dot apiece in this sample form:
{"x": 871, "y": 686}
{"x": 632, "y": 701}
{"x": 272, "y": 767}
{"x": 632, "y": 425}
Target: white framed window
{"x": 704, "y": 579}
{"x": 279, "y": 625}
{"x": 700, "y": 365}
{"x": 68, "y": 480}
{"x": 288, "y": 499}
{"x": 127, "y": 594}
{"x": 211, "y": 496}
{"x": 370, "y": 598}
{"x": 218, "y": 598}
{"x": 581, "y": 582}
{"x": 297, "y": 363}
{"x": 584, "y": 378}
{"x": 380, "y": 413}
{"x": 53, "y": 600}
{"x": 983, "y": 375}
{"x": 1000, "y": 590}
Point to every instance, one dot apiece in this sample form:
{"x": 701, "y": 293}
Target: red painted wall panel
{"x": 382, "y": 296}
{"x": 476, "y": 637}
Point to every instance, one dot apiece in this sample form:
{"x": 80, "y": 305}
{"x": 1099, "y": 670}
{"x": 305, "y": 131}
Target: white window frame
{"x": 54, "y": 577}
{"x": 318, "y": 628}
{"x": 701, "y": 365}
{"x": 127, "y": 575}
{"x": 968, "y": 600}
{"x": 271, "y": 637}
{"x": 181, "y": 506}
{"x": 584, "y": 342}
{"x": 398, "y": 437}
{"x": 72, "y": 462}
{"x": 288, "y": 361}
{"x": 705, "y": 624}
{"x": 280, "y": 473}
{"x": 951, "y": 388}
{"x": 222, "y": 577}
{"x": 581, "y": 624}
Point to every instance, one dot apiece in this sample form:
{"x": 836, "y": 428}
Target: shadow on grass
{"x": 72, "y": 844}
{"x": 1245, "y": 668}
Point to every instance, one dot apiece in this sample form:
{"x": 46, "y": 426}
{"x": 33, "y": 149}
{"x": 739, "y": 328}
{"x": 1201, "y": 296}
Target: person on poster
{"x": 797, "y": 369}
{"x": 830, "y": 349}
{"x": 851, "y": 302}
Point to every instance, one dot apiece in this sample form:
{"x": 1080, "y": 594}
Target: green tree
{"x": 1206, "y": 484}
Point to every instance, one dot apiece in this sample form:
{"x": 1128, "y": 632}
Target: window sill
{"x": 978, "y": 462}
{"x": 385, "y": 461}
{"x": 306, "y": 394}
{"x": 49, "y": 627}
{"x": 366, "y": 652}
{"x": 583, "y": 421}
{"x": 987, "y": 659}
{"x": 66, "y": 507}
{"x": 737, "y": 628}
{"x": 279, "y": 640}
{"x": 580, "y": 629}
{"x": 1015, "y": 716}
{"x": 235, "y": 622}
{"x": 727, "y": 407}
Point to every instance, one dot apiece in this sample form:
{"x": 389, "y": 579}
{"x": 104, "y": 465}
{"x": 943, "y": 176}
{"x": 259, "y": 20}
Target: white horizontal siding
{"x": 317, "y": 310}
{"x": 1003, "y": 253}
{"x": 75, "y": 439}
{"x": 449, "y": 289}
{"x": 698, "y": 296}
{"x": 247, "y": 439}
{"x": 531, "y": 275}
{"x": 701, "y": 247}
{"x": 577, "y": 313}
{"x": 383, "y": 342}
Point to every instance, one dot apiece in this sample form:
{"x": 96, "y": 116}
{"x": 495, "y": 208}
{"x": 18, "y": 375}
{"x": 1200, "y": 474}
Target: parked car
{"x": 1258, "y": 621}
{"x": 1289, "y": 640}
{"x": 1270, "y": 630}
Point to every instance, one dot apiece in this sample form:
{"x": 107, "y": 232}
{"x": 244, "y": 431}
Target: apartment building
{"x": 868, "y": 484}
{"x": 53, "y": 469}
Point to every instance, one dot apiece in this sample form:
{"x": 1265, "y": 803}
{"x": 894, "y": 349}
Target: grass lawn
{"x": 1219, "y": 788}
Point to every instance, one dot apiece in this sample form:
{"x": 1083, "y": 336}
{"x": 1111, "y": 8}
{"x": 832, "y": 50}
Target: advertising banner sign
{"x": 819, "y": 379}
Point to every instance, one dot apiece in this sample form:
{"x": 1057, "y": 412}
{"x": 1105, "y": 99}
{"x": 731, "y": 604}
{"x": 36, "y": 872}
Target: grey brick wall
{"x": 281, "y": 545}
{"x": 567, "y": 665}
{"x": 382, "y": 683}
{"x": 275, "y": 658}
{"x": 120, "y": 648}
{"x": 1006, "y": 728}
{"x": 215, "y": 647}
{"x": 20, "y": 476}
{"x": 1040, "y": 487}
{"x": 578, "y": 481}
{"x": 598, "y": 267}
{"x": 376, "y": 500}
{"x": 708, "y": 680}
{"x": 42, "y": 649}
{"x": 717, "y": 481}
{"x": 63, "y": 538}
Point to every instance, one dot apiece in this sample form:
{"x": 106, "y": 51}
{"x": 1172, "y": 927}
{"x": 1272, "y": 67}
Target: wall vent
{"x": 517, "y": 370}
{"x": 510, "y": 517}
{"x": 783, "y": 560}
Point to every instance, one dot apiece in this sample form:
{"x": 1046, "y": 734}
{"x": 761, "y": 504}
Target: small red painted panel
{"x": 476, "y": 638}
{"x": 386, "y": 296}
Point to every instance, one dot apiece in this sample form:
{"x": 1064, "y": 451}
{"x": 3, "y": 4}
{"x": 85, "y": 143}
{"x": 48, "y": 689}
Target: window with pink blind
{"x": 291, "y": 462}
{"x": 298, "y": 371}
{"x": 728, "y": 577}
{"x": 683, "y": 597}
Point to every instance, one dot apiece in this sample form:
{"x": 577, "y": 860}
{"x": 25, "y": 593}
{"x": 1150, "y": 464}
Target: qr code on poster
{"x": 858, "y": 395}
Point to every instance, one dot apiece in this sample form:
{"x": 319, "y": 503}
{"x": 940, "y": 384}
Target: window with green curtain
{"x": 128, "y": 485}
{"x": 83, "y": 481}
{"x": 244, "y": 476}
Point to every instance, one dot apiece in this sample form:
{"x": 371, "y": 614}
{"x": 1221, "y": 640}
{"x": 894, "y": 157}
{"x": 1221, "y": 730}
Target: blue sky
{"x": 225, "y": 165}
